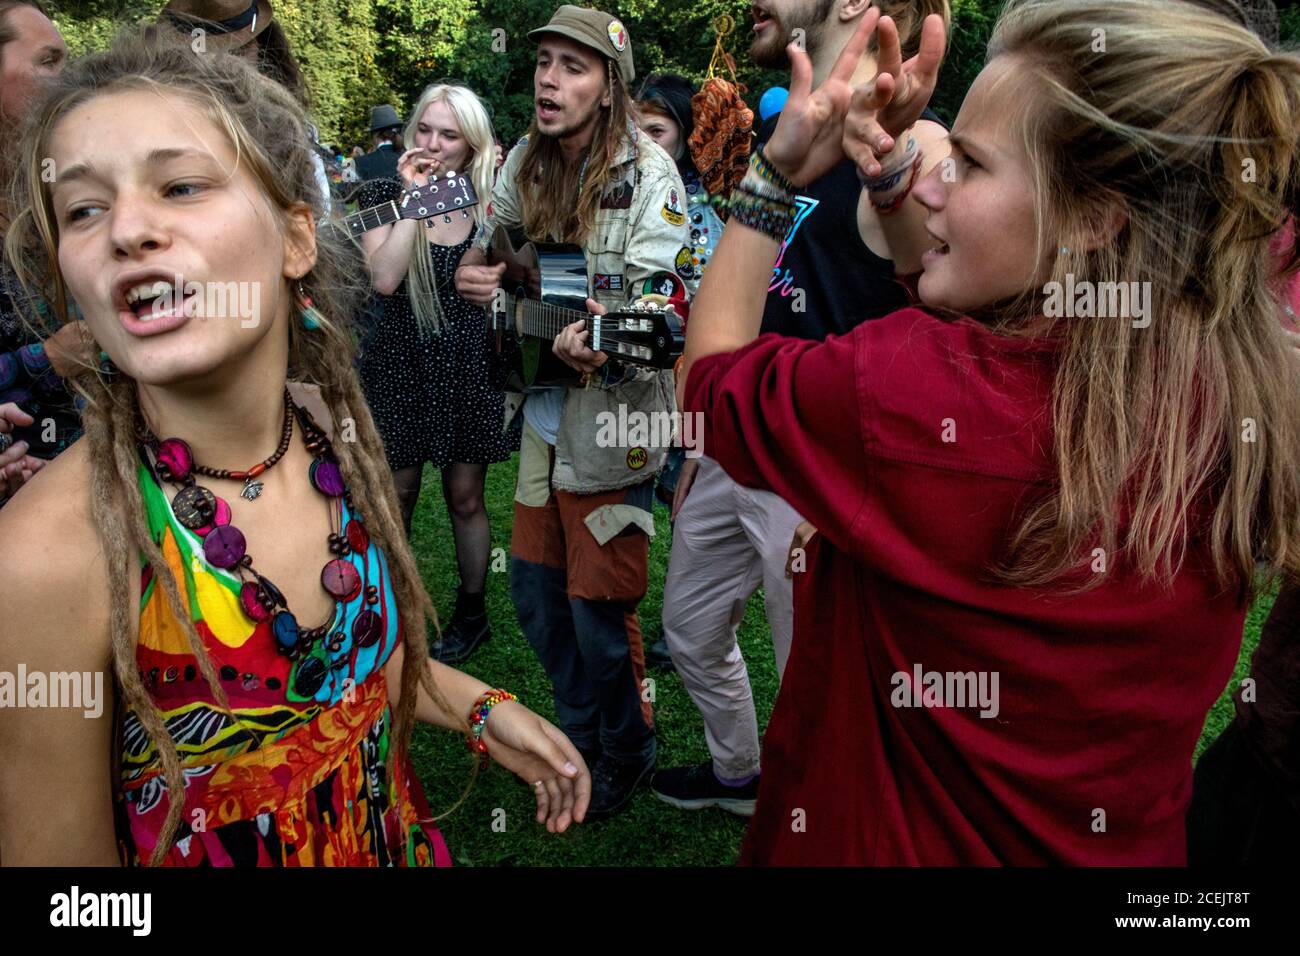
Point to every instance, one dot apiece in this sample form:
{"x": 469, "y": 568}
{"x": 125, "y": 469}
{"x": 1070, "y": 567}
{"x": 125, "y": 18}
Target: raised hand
{"x": 415, "y": 166}
{"x": 887, "y": 106}
{"x": 16, "y": 466}
{"x": 808, "y": 139}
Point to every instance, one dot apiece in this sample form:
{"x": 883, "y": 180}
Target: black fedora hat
{"x": 227, "y": 24}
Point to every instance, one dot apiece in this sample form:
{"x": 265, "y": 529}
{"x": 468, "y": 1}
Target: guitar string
{"x": 553, "y": 319}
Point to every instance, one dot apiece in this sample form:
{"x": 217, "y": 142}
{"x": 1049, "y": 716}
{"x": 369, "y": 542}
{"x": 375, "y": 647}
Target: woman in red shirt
{"x": 1042, "y": 498}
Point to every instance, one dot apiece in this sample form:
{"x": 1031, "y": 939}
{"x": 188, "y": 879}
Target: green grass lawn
{"x": 648, "y": 833}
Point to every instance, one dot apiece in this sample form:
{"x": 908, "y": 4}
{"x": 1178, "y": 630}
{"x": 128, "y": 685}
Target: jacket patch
{"x": 686, "y": 263}
{"x": 618, "y": 194}
{"x": 608, "y": 283}
{"x": 665, "y": 284}
{"x": 672, "y": 209}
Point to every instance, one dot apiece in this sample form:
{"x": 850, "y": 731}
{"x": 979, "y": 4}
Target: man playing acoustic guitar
{"x": 582, "y": 518}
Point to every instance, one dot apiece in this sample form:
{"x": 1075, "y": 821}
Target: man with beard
{"x": 579, "y": 544}
{"x": 834, "y": 270}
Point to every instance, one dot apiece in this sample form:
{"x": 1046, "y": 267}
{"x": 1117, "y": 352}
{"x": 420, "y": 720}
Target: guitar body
{"x": 543, "y": 291}
{"x": 549, "y": 272}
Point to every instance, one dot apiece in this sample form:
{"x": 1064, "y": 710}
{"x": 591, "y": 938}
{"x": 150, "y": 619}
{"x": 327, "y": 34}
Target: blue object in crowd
{"x": 772, "y": 102}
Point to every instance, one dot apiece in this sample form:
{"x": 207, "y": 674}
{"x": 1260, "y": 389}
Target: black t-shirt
{"x": 842, "y": 281}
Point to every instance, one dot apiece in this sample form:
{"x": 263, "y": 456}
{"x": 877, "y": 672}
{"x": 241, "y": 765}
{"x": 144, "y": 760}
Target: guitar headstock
{"x": 438, "y": 197}
{"x": 647, "y": 334}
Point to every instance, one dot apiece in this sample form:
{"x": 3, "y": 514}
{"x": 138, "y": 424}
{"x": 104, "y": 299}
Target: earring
{"x": 106, "y": 367}
{"x": 311, "y": 316}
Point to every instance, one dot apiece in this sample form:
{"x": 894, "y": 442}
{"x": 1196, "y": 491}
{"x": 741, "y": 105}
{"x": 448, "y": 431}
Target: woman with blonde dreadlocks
{"x": 230, "y": 541}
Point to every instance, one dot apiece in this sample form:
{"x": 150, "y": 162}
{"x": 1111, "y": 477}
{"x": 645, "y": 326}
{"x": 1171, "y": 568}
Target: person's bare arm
{"x": 388, "y": 248}
{"x": 69, "y": 349}
{"x": 388, "y": 254}
{"x": 530, "y": 747}
{"x": 56, "y": 803}
{"x": 900, "y": 236}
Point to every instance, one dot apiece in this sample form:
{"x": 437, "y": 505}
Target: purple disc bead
{"x": 367, "y": 629}
{"x": 341, "y": 579}
{"x": 327, "y": 478}
{"x": 224, "y": 546}
{"x": 175, "y": 455}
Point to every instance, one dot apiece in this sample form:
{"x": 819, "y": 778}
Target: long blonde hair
{"x": 267, "y": 128}
{"x": 1187, "y": 123}
{"x": 476, "y": 126}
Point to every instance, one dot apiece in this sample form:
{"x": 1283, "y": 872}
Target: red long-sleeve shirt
{"x": 913, "y": 445}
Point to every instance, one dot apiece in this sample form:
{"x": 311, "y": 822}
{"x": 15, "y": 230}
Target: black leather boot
{"x": 468, "y": 629}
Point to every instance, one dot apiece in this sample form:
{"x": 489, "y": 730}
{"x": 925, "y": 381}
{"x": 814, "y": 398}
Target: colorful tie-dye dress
{"x": 299, "y": 779}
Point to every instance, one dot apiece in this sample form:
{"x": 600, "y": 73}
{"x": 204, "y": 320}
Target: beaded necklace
{"x": 224, "y": 546}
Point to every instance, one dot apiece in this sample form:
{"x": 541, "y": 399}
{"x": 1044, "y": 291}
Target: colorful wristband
{"x": 478, "y": 715}
{"x": 758, "y": 163}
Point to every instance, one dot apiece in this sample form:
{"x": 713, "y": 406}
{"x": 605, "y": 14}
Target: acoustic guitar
{"x": 543, "y": 290}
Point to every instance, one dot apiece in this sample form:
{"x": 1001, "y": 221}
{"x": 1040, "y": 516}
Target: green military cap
{"x": 596, "y": 30}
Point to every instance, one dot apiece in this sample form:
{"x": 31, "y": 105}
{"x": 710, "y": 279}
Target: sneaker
{"x": 461, "y": 638}
{"x": 658, "y": 658}
{"x": 694, "y": 788}
{"x": 613, "y": 783}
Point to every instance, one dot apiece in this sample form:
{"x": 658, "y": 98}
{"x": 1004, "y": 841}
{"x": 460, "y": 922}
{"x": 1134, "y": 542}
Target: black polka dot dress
{"x": 430, "y": 394}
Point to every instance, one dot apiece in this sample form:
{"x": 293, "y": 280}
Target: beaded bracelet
{"x": 771, "y": 219}
{"x": 763, "y": 168}
{"x": 743, "y": 194}
{"x": 478, "y": 715}
{"x": 756, "y": 185}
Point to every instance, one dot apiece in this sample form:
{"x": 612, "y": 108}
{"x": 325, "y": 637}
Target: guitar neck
{"x": 617, "y": 335}
{"x": 545, "y": 321}
{"x": 420, "y": 204}
{"x": 372, "y": 218}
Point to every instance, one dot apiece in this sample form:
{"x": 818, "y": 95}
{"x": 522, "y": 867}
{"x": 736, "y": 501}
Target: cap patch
{"x": 617, "y": 35}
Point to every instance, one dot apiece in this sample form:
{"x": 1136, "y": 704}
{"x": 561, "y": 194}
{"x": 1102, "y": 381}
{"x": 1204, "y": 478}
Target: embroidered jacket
{"x": 632, "y": 251}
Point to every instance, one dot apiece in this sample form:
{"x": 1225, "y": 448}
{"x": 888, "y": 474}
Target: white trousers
{"x": 727, "y": 540}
